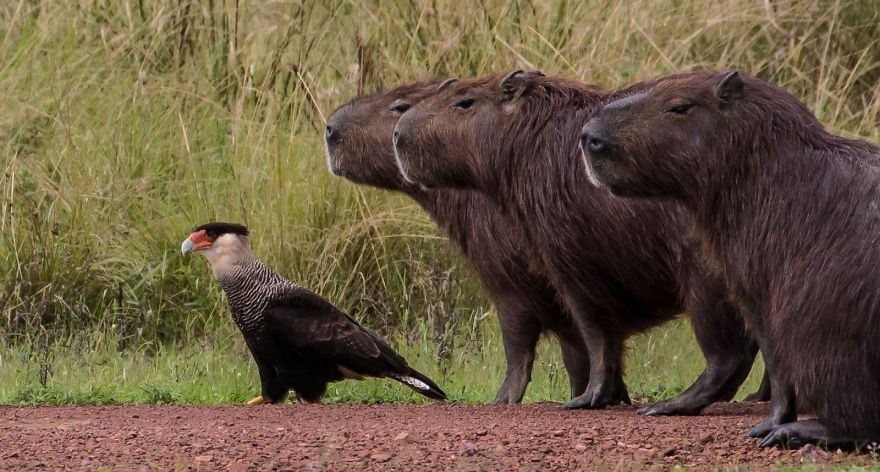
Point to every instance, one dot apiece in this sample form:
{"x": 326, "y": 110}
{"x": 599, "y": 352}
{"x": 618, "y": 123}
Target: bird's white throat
{"x": 227, "y": 251}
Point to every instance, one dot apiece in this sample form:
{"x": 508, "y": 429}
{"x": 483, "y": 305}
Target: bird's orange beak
{"x": 197, "y": 241}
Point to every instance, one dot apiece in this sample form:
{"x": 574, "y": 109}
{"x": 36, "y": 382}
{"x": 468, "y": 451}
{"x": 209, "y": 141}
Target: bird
{"x": 298, "y": 339}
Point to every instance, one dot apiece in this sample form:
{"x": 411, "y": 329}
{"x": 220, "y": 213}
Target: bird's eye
{"x": 680, "y": 109}
{"x": 400, "y": 107}
{"x": 464, "y": 104}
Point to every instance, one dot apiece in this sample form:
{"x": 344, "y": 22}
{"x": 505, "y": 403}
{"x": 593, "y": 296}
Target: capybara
{"x": 359, "y": 148}
{"x": 621, "y": 267}
{"x": 788, "y": 214}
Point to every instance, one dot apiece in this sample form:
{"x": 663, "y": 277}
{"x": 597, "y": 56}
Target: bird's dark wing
{"x": 316, "y": 329}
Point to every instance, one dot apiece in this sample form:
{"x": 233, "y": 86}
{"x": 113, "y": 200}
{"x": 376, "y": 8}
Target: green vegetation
{"x": 124, "y": 124}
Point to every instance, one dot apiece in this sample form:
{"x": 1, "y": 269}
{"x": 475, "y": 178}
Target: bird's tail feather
{"x": 420, "y": 383}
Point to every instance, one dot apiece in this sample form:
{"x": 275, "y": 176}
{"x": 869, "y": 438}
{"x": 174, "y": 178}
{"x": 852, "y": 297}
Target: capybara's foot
{"x": 763, "y": 428}
{"x": 511, "y": 392}
{"x": 674, "y": 406}
{"x": 795, "y": 435}
{"x": 503, "y": 398}
{"x": 581, "y": 401}
{"x": 799, "y": 433}
{"x": 597, "y": 398}
{"x": 261, "y": 400}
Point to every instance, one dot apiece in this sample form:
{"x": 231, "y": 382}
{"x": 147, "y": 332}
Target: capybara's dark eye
{"x": 464, "y": 104}
{"x": 400, "y": 107}
{"x": 680, "y": 109}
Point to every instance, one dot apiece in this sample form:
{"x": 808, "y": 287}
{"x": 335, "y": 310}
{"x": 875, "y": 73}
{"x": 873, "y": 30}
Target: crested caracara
{"x": 299, "y": 340}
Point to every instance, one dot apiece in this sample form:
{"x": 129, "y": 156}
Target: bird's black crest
{"x": 216, "y": 229}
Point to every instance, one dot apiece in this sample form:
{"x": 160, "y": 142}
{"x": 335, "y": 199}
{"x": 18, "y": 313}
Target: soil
{"x": 385, "y": 437}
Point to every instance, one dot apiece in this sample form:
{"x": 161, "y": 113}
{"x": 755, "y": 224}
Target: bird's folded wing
{"x": 316, "y": 328}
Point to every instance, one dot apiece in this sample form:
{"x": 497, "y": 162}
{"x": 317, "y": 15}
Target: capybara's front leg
{"x": 727, "y": 345}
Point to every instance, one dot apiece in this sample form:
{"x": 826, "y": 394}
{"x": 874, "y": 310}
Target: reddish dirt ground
{"x": 384, "y": 437}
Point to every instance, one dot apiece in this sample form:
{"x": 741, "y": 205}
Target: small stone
{"x": 468, "y": 448}
{"x": 280, "y": 428}
{"x": 401, "y": 436}
{"x": 580, "y": 447}
{"x": 707, "y": 439}
{"x": 381, "y": 457}
{"x": 481, "y": 432}
{"x": 205, "y": 458}
{"x": 669, "y": 452}
{"x": 558, "y": 433}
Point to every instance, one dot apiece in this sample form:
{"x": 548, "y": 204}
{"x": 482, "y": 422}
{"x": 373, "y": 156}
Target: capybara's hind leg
{"x": 796, "y": 435}
{"x": 783, "y": 406}
{"x": 763, "y": 392}
{"x": 519, "y": 333}
{"x": 577, "y": 363}
{"x": 606, "y": 385}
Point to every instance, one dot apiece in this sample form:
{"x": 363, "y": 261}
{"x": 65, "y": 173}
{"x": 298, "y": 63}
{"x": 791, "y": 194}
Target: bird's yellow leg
{"x": 261, "y": 400}
{"x": 264, "y": 400}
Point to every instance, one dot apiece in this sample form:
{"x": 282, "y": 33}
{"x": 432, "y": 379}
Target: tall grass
{"x": 123, "y": 124}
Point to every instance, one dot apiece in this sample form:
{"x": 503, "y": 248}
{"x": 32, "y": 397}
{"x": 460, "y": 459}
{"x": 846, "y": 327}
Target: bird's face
{"x": 221, "y": 243}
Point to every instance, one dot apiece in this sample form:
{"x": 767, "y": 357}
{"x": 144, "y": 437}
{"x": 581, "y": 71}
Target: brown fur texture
{"x": 788, "y": 214}
{"x": 359, "y": 148}
{"x": 621, "y": 267}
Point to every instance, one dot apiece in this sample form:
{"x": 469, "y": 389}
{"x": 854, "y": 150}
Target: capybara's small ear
{"x": 730, "y": 87}
{"x": 447, "y": 83}
{"x": 515, "y": 83}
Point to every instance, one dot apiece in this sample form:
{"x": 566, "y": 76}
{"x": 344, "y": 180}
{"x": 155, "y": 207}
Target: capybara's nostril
{"x": 595, "y": 144}
{"x": 592, "y": 138}
{"x": 396, "y": 136}
{"x": 330, "y": 132}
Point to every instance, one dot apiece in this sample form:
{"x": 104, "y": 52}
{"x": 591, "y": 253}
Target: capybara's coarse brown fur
{"x": 359, "y": 148}
{"x": 788, "y": 214}
{"x": 621, "y": 267}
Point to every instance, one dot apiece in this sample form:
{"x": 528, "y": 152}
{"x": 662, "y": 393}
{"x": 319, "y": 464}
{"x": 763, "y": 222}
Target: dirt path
{"x": 381, "y": 437}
